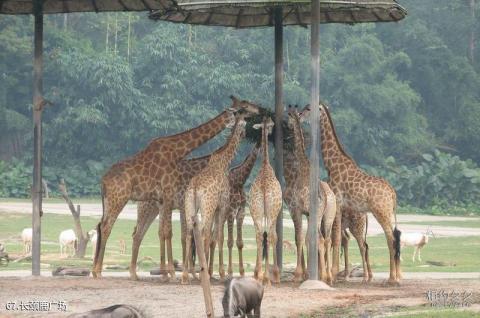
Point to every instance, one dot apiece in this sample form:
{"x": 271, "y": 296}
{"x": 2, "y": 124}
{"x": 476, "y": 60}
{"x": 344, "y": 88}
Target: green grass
{"x": 470, "y": 223}
{"x": 54, "y": 200}
{"x": 439, "y": 313}
{"x": 392, "y": 312}
{"x": 463, "y": 251}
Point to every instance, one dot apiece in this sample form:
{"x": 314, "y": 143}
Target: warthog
{"x": 241, "y": 297}
{"x": 115, "y": 311}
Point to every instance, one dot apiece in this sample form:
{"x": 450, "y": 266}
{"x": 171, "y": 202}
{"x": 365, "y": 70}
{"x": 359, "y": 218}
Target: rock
{"x": 315, "y": 284}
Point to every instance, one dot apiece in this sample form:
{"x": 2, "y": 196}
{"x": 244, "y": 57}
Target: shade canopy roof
{"x": 68, "y": 6}
{"x": 257, "y": 13}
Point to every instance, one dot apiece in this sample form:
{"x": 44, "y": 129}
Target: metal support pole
{"x": 315, "y": 150}
{"x": 37, "y": 136}
{"x": 278, "y": 124}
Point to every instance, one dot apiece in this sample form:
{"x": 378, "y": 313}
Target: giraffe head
{"x": 267, "y": 124}
{"x": 304, "y": 113}
{"x": 295, "y": 117}
{"x": 245, "y": 107}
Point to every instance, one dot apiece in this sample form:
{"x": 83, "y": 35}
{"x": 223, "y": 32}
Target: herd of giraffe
{"x": 161, "y": 178}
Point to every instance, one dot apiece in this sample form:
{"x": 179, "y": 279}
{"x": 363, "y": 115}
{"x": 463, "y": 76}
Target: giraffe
{"x": 300, "y": 204}
{"x": 207, "y": 192}
{"x": 265, "y": 201}
{"x": 357, "y": 223}
{"x": 152, "y": 174}
{"x": 358, "y": 191}
{"x": 237, "y": 177}
{"x": 147, "y": 211}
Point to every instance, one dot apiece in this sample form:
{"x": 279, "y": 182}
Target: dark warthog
{"x": 242, "y": 296}
{"x": 115, "y": 311}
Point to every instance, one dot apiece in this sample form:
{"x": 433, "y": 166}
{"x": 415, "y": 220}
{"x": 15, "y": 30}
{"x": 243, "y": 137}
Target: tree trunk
{"x": 65, "y": 22}
{"x": 128, "y": 37}
{"x": 108, "y": 31}
{"x": 116, "y": 34}
{"x": 472, "y": 33}
{"x": 81, "y": 236}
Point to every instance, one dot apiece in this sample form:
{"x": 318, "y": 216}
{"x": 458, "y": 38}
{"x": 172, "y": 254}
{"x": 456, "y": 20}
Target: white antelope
{"x": 67, "y": 239}
{"x": 418, "y": 240}
{"x": 92, "y": 234}
{"x": 27, "y": 240}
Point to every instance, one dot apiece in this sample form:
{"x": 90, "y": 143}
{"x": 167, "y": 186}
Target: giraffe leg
{"x": 369, "y": 269}
{"x": 266, "y": 273}
{"x": 363, "y": 253}
{"x": 273, "y": 243}
{"x": 415, "y": 250}
{"x": 104, "y": 228}
{"x": 212, "y": 243}
{"x": 328, "y": 259}
{"x": 258, "y": 265}
{"x": 161, "y": 237}
{"x": 297, "y": 223}
{"x": 183, "y": 226}
{"x": 209, "y": 244}
{"x": 240, "y": 217}
{"x": 345, "y": 243}
{"x": 387, "y": 228}
{"x": 188, "y": 249}
{"x": 230, "y": 244}
{"x": 167, "y": 207}
{"x": 321, "y": 257}
{"x": 144, "y": 221}
{"x": 358, "y": 230}
{"x": 336, "y": 241}
{"x": 220, "y": 237}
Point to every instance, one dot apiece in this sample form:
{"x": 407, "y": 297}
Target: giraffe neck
{"x": 299, "y": 142}
{"x": 332, "y": 150}
{"x": 187, "y": 141}
{"x": 222, "y": 158}
{"x": 264, "y": 146}
{"x": 241, "y": 172}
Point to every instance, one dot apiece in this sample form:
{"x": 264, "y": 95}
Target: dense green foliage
{"x": 405, "y": 90}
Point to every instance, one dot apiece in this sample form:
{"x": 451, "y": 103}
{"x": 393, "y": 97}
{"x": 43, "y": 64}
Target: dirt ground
{"x": 160, "y": 299}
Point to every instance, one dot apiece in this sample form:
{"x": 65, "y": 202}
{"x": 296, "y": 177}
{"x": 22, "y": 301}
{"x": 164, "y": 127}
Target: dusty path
{"x": 177, "y": 301}
{"x": 130, "y": 213}
{"x": 380, "y": 275}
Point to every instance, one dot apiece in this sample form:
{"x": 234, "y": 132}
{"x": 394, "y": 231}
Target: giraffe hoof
{"x": 299, "y": 277}
{"x": 96, "y": 274}
{"x": 391, "y": 283}
{"x": 185, "y": 280}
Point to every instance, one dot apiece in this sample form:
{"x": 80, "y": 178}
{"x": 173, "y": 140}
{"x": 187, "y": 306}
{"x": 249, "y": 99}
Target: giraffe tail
{"x": 265, "y": 245}
{"x": 99, "y": 227}
{"x": 396, "y": 235}
{"x": 194, "y": 251}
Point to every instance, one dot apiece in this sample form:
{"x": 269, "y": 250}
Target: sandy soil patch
{"x": 174, "y": 300}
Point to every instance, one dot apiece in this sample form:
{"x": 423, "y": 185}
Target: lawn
{"x": 402, "y": 312}
{"x": 474, "y": 223}
{"x": 462, "y": 251}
